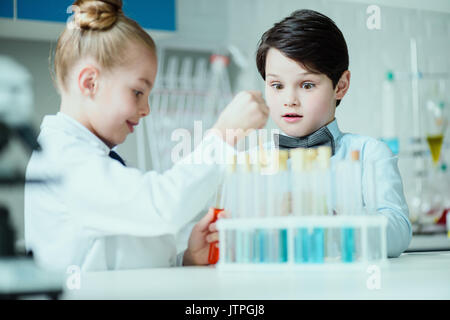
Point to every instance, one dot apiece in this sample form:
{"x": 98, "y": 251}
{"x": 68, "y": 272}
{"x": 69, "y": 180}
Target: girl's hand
{"x": 246, "y": 112}
{"x": 203, "y": 234}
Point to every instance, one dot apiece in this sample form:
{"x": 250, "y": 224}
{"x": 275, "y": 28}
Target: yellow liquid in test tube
{"x": 435, "y": 144}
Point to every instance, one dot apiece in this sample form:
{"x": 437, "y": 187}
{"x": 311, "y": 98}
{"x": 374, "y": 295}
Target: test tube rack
{"x": 288, "y": 242}
{"x": 305, "y": 213}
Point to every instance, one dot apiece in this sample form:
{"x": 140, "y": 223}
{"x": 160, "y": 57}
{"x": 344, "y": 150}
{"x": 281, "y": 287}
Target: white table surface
{"x": 429, "y": 242}
{"x": 411, "y": 276}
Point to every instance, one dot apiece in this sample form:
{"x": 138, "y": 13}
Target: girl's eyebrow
{"x": 147, "y": 82}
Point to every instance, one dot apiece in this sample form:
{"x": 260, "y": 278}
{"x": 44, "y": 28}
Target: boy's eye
{"x": 308, "y": 85}
{"x": 276, "y": 86}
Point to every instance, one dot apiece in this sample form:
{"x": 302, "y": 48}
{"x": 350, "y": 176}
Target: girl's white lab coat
{"x": 102, "y": 215}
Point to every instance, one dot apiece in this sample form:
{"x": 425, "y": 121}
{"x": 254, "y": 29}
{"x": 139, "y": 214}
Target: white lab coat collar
{"x": 62, "y": 121}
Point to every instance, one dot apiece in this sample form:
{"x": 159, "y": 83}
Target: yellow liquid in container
{"x": 435, "y": 144}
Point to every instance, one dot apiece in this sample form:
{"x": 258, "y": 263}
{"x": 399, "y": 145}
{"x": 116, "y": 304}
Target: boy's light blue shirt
{"x": 389, "y": 188}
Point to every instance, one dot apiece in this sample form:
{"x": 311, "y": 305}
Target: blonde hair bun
{"x": 97, "y": 14}
{"x": 100, "y": 30}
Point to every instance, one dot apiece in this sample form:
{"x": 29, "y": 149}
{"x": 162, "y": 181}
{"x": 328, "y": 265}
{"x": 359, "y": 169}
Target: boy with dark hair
{"x": 304, "y": 62}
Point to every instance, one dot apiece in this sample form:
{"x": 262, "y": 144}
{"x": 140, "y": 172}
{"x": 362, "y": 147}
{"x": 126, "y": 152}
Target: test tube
{"x": 333, "y": 235}
{"x": 369, "y": 187}
{"x": 299, "y": 201}
{"x": 260, "y": 208}
{"x": 323, "y": 181}
{"x": 231, "y": 204}
{"x": 344, "y": 208}
{"x": 320, "y": 200}
{"x": 213, "y": 255}
{"x": 447, "y": 217}
{"x": 341, "y": 192}
{"x": 260, "y": 237}
{"x": 371, "y": 240}
{"x": 242, "y": 190}
{"x": 283, "y": 201}
{"x": 352, "y": 205}
{"x": 271, "y": 200}
{"x": 231, "y": 190}
{"x": 308, "y": 234}
{"x": 248, "y": 208}
{"x": 258, "y": 189}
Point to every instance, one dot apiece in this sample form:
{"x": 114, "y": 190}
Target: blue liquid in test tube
{"x": 298, "y": 239}
{"x": 283, "y": 246}
{"x": 259, "y": 246}
{"x": 309, "y": 246}
{"x": 306, "y": 245}
{"x": 317, "y": 241}
{"x": 348, "y": 244}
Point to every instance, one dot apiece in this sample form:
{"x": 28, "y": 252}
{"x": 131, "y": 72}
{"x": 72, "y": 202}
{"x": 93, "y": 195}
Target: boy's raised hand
{"x": 203, "y": 234}
{"x": 247, "y": 111}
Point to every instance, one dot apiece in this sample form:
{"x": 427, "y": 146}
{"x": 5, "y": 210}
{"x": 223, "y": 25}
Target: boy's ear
{"x": 342, "y": 85}
{"x": 88, "y": 79}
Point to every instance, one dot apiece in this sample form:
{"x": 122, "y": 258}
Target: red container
{"x": 213, "y": 256}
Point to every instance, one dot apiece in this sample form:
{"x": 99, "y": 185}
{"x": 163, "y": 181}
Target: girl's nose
{"x": 145, "y": 111}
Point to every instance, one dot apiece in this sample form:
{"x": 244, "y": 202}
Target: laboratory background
{"x": 399, "y": 91}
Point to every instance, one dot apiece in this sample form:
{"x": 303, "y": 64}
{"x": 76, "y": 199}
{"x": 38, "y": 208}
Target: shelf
{"x": 49, "y": 31}
{"x": 44, "y": 20}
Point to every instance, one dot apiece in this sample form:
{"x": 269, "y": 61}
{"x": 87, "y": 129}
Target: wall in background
{"x": 216, "y": 24}
{"x": 372, "y": 53}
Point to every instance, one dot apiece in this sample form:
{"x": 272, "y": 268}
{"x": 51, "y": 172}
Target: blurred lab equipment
{"x": 427, "y": 179}
{"x": 19, "y": 276}
{"x": 436, "y": 121}
{"x": 190, "y": 91}
{"x": 6, "y": 234}
{"x": 16, "y": 98}
{"x": 388, "y": 112}
{"x": 448, "y": 224}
